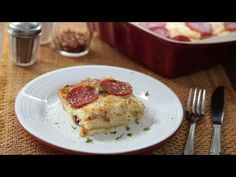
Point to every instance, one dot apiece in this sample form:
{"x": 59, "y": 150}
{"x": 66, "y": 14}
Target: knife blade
{"x": 217, "y": 107}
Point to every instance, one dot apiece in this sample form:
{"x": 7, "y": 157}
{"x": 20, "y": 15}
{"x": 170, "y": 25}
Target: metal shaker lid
{"x": 29, "y": 29}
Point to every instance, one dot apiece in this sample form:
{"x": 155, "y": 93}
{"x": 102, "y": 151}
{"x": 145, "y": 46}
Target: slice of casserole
{"x": 100, "y": 105}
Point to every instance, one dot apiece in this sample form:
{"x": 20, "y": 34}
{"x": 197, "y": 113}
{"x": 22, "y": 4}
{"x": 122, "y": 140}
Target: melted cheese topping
{"x": 219, "y": 29}
{"x": 179, "y": 28}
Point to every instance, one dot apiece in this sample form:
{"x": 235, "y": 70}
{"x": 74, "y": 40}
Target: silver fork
{"x": 195, "y": 111}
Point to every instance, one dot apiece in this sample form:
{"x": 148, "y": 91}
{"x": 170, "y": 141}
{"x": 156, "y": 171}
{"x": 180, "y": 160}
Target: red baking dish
{"x": 165, "y": 56}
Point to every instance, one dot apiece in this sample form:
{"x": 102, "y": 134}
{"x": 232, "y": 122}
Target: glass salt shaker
{"x": 24, "y": 42}
{"x": 72, "y": 39}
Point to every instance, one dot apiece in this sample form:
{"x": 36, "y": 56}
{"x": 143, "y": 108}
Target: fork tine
{"x": 203, "y": 102}
{"x": 194, "y": 101}
{"x": 198, "y": 107}
{"x": 188, "y": 108}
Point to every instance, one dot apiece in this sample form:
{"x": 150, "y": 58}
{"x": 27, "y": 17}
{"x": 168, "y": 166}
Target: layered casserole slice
{"x": 98, "y": 105}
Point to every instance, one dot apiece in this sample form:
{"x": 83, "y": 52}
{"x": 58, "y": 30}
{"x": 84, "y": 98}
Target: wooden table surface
{"x": 15, "y": 140}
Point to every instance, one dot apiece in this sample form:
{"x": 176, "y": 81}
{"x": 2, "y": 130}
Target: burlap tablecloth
{"x": 15, "y": 140}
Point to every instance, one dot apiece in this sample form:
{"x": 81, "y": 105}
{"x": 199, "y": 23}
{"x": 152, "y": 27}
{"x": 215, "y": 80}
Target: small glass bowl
{"x": 72, "y": 39}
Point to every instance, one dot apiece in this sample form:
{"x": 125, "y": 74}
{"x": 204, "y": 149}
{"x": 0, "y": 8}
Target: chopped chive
{"x": 73, "y": 127}
{"x": 129, "y": 134}
{"x": 101, "y": 91}
{"x": 146, "y": 129}
{"x": 136, "y": 121}
{"x": 88, "y": 140}
{"x": 147, "y": 93}
{"x": 56, "y": 123}
{"x": 119, "y": 137}
{"x": 114, "y": 132}
{"x": 127, "y": 128}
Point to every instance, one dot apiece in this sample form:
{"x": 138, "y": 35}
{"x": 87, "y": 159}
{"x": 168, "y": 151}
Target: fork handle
{"x": 189, "y": 147}
{"x": 216, "y": 144}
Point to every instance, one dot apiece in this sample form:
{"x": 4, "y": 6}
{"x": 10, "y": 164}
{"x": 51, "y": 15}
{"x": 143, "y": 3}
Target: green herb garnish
{"x": 129, "y": 134}
{"x": 146, "y": 129}
{"x": 88, "y": 140}
{"x": 65, "y": 89}
{"x": 73, "y": 127}
{"x": 127, "y": 128}
{"x": 114, "y": 132}
{"x": 147, "y": 93}
{"x": 119, "y": 137}
{"x": 101, "y": 91}
{"x": 136, "y": 121}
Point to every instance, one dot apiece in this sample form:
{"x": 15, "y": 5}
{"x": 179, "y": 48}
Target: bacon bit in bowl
{"x": 71, "y": 41}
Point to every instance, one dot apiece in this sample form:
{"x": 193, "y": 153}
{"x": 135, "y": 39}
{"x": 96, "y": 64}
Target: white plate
{"x": 39, "y": 111}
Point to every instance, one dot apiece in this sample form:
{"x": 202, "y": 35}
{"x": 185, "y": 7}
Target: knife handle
{"x": 216, "y": 142}
{"x": 189, "y": 147}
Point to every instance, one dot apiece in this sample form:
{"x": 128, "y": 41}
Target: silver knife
{"x": 217, "y": 107}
